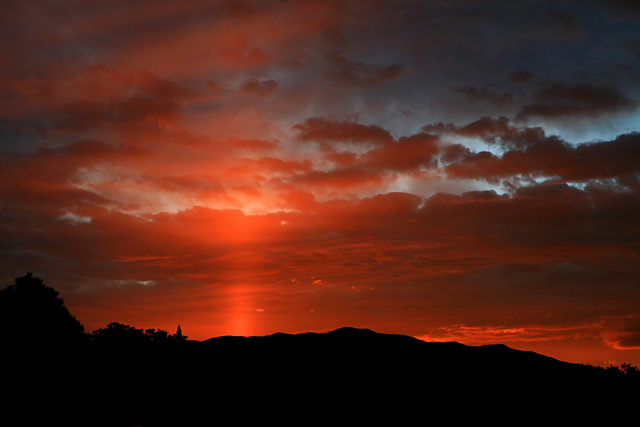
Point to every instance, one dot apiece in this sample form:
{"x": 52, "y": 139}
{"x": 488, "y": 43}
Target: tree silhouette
{"x": 32, "y": 314}
{"x": 157, "y": 336}
{"x": 118, "y": 335}
{"x": 623, "y": 370}
{"x": 178, "y": 335}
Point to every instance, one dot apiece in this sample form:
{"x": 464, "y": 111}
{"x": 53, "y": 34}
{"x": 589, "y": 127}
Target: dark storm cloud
{"x": 357, "y": 73}
{"x": 561, "y": 100}
{"x": 485, "y": 94}
{"x": 499, "y": 130}
{"x": 565, "y": 20}
{"x": 522, "y": 76}
{"x": 621, "y": 5}
{"x": 530, "y": 152}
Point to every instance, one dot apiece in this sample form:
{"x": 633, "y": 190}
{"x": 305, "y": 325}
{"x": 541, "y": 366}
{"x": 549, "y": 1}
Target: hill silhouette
{"x": 125, "y": 376}
{"x": 346, "y": 376}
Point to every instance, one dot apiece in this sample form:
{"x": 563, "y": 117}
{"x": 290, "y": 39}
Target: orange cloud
{"x": 320, "y": 129}
{"x": 252, "y": 167}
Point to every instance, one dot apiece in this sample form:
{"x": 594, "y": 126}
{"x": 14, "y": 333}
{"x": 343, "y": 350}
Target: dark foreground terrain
{"x": 343, "y": 377}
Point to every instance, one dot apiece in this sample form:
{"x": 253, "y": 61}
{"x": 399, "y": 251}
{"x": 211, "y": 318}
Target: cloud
{"x": 321, "y": 129}
{"x": 500, "y": 131}
{"x": 344, "y": 179}
{"x": 387, "y": 244}
{"x": 75, "y": 219}
{"x": 489, "y": 334}
{"x": 561, "y": 100}
{"x": 478, "y": 94}
{"x": 259, "y": 88}
{"x": 550, "y": 157}
{"x": 624, "y": 6}
{"x": 530, "y": 152}
{"x": 254, "y": 145}
{"x": 362, "y": 156}
{"x": 565, "y": 20}
{"x": 106, "y": 96}
{"x": 245, "y": 58}
{"x": 621, "y": 332}
{"x": 283, "y": 166}
{"x": 46, "y": 176}
{"x": 408, "y": 153}
{"x": 346, "y": 72}
{"x": 244, "y": 155}
{"x": 522, "y": 76}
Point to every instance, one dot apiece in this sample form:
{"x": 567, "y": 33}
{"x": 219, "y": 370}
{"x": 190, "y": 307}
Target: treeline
{"x": 32, "y": 315}
{"x": 125, "y": 335}
{"x": 624, "y": 369}
{"x": 53, "y": 372}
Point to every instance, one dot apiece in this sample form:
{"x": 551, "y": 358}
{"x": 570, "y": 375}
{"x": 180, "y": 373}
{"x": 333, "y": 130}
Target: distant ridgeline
{"x": 119, "y": 375}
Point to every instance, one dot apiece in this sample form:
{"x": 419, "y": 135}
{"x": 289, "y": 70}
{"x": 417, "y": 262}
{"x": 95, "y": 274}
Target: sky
{"x": 452, "y": 170}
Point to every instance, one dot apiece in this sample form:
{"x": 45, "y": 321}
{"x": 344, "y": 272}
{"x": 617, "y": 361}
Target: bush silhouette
{"x": 118, "y": 335}
{"x": 32, "y": 314}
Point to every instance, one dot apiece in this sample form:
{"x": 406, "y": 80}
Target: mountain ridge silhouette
{"x": 55, "y": 374}
{"x": 389, "y": 374}
{"x": 351, "y": 336}
{"x": 354, "y": 375}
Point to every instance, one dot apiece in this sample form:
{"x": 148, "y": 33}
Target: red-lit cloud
{"x": 254, "y": 167}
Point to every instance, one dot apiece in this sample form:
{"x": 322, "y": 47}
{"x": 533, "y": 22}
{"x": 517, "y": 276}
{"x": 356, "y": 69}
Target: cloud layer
{"x": 428, "y": 168}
